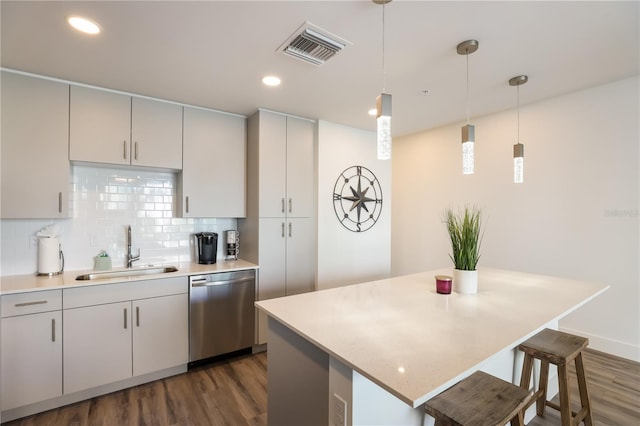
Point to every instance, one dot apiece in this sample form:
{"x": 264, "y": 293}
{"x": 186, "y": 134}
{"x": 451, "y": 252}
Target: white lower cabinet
{"x": 107, "y": 339}
{"x": 31, "y": 353}
{"x": 97, "y": 345}
{"x": 160, "y": 338}
{"x": 286, "y": 248}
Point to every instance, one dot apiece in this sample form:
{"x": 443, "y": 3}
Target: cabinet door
{"x": 156, "y": 134}
{"x": 272, "y": 278}
{"x": 300, "y": 167}
{"x": 213, "y": 173}
{"x": 100, "y": 126}
{"x": 160, "y": 333}
{"x": 31, "y": 354}
{"x": 97, "y": 345}
{"x": 272, "y": 164}
{"x": 300, "y": 256}
{"x": 35, "y": 144}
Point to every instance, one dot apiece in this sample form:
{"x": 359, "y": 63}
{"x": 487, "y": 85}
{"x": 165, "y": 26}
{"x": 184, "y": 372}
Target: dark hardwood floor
{"x": 234, "y": 392}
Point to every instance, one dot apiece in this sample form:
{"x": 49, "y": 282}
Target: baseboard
{"x": 610, "y": 346}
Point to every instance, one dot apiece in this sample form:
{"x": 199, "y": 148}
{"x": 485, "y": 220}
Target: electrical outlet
{"x": 340, "y": 411}
{"x": 33, "y": 241}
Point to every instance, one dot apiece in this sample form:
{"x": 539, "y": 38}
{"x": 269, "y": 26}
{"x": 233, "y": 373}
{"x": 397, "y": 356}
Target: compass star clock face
{"x": 357, "y": 198}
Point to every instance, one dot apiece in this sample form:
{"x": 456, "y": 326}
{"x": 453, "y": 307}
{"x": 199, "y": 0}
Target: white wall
{"x": 575, "y": 215}
{"x": 346, "y": 257}
{"x": 104, "y": 201}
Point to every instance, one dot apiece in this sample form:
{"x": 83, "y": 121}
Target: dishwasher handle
{"x": 202, "y": 282}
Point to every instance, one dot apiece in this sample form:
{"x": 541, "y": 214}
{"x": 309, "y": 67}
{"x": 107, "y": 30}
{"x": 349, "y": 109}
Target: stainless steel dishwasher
{"x": 221, "y": 313}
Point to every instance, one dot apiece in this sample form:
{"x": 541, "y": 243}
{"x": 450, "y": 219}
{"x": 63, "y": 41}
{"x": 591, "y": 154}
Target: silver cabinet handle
{"x": 282, "y": 234}
{"x": 125, "y": 318}
{"x": 290, "y": 205}
{"x": 59, "y": 202}
{"x": 187, "y": 204}
{"x": 38, "y": 302}
{"x": 53, "y": 329}
{"x": 135, "y": 151}
{"x": 289, "y": 229}
{"x": 137, "y": 316}
{"x": 282, "y": 205}
{"x": 124, "y": 149}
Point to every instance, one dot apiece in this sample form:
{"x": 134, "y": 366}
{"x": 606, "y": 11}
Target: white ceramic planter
{"x": 465, "y": 282}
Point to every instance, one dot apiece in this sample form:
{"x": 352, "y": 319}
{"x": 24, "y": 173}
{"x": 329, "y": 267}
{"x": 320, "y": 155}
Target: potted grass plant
{"x": 464, "y": 228}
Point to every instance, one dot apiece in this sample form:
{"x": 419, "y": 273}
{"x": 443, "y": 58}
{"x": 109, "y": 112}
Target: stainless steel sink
{"x": 127, "y": 273}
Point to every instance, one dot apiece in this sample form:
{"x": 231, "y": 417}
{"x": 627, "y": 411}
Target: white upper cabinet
{"x": 113, "y": 128}
{"x": 272, "y": 164}
{"x": 156, "y": 133}
{"x": 100, "y": 126}
{"x": 286, "y": 165}
{"x": 35, "y": 144}
{"x": 212, "y": 182}
{"x": 300, "y": 166}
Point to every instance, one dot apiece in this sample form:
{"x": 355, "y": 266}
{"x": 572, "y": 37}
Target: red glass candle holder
{"x": 443, "y": 284}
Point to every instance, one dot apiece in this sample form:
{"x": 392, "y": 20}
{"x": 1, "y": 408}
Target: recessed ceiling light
{"x": 373, "y": 112}
{"x": 84, "y": 25}
{"x": 271, "y": 80}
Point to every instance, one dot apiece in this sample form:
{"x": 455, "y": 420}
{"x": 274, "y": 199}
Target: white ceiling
{"x": 214, "y": 53}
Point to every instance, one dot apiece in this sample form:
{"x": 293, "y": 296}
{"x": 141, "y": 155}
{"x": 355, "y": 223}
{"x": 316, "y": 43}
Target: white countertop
{"x": 414, "y": 342}
{"x": 32, "y": 282}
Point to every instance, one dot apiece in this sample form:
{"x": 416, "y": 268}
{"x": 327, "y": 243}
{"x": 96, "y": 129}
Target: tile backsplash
{"x": 104, "y": 201}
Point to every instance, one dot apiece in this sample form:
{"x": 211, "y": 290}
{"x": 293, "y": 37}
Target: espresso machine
{"x": 232, "y": 244}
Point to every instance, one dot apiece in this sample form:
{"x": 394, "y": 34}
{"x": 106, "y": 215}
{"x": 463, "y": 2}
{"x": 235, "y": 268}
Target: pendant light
{"x": 383, "y": 106}
{"x": 468, "y": 131}
{"x": 518, "y": 148}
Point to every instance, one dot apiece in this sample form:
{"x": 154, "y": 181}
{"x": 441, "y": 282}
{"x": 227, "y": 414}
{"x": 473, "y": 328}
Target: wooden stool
{"x": 480, "y": 400}
{"x": 558, "y": 348}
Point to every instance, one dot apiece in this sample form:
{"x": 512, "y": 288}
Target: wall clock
{"x": 357, "y": 198}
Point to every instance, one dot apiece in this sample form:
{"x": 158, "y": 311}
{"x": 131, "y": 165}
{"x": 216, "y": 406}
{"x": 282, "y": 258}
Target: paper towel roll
{"x": 49, "y": 258}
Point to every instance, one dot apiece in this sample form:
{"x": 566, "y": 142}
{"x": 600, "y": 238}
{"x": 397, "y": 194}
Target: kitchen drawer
{"x": 99, "y": 294}
{"x": 31, "y": 303}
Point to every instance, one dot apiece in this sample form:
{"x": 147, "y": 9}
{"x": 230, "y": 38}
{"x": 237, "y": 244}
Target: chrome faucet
{"x": 130, "y": 257}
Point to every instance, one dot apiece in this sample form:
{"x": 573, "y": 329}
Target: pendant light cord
{"x": 384, "y": 75}
{"x": 518, "y": 110}
{"x": 468, "y": 102}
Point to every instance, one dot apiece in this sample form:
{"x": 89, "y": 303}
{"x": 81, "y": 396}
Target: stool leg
{"x": 582, "y": 387}
{"x": 541, "y": 403}
{"x": 527, "y": 366}
{"x": 518, "y": 420}
{"x": 565, "y": 401}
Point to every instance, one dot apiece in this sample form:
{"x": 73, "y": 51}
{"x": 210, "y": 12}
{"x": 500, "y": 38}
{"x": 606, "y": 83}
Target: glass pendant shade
{"x": 383, "y": 106}
{"x": 518, "y": 163}
{"x": 468, "y": 138}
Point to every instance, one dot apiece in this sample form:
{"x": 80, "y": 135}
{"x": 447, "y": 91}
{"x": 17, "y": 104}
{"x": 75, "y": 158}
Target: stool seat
{"x": 554, "y": 346}
{"x": 560, "y": 349}
{"x": 480, "y": 400}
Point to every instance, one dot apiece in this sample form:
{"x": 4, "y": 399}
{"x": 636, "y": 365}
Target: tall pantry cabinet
{"x": 279, "y": 231}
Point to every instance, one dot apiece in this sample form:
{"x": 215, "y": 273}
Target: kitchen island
{"x": 373, "y": 353}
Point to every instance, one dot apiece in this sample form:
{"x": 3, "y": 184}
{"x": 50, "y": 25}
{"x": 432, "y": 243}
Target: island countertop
{"x": 408, "y": 339}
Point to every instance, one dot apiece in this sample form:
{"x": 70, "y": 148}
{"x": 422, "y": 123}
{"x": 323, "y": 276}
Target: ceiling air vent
{"x": 312, "y": 44}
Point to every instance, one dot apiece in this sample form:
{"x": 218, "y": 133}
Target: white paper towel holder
{"x": 50, "y": 257}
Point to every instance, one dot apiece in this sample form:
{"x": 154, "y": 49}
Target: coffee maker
{"x": 207, "y": 247}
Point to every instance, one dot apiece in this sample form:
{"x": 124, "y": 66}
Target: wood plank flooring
{"x": 231, "y": 392}
{"x": 614, "y": 389}
{"x": 234, "y": 393}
